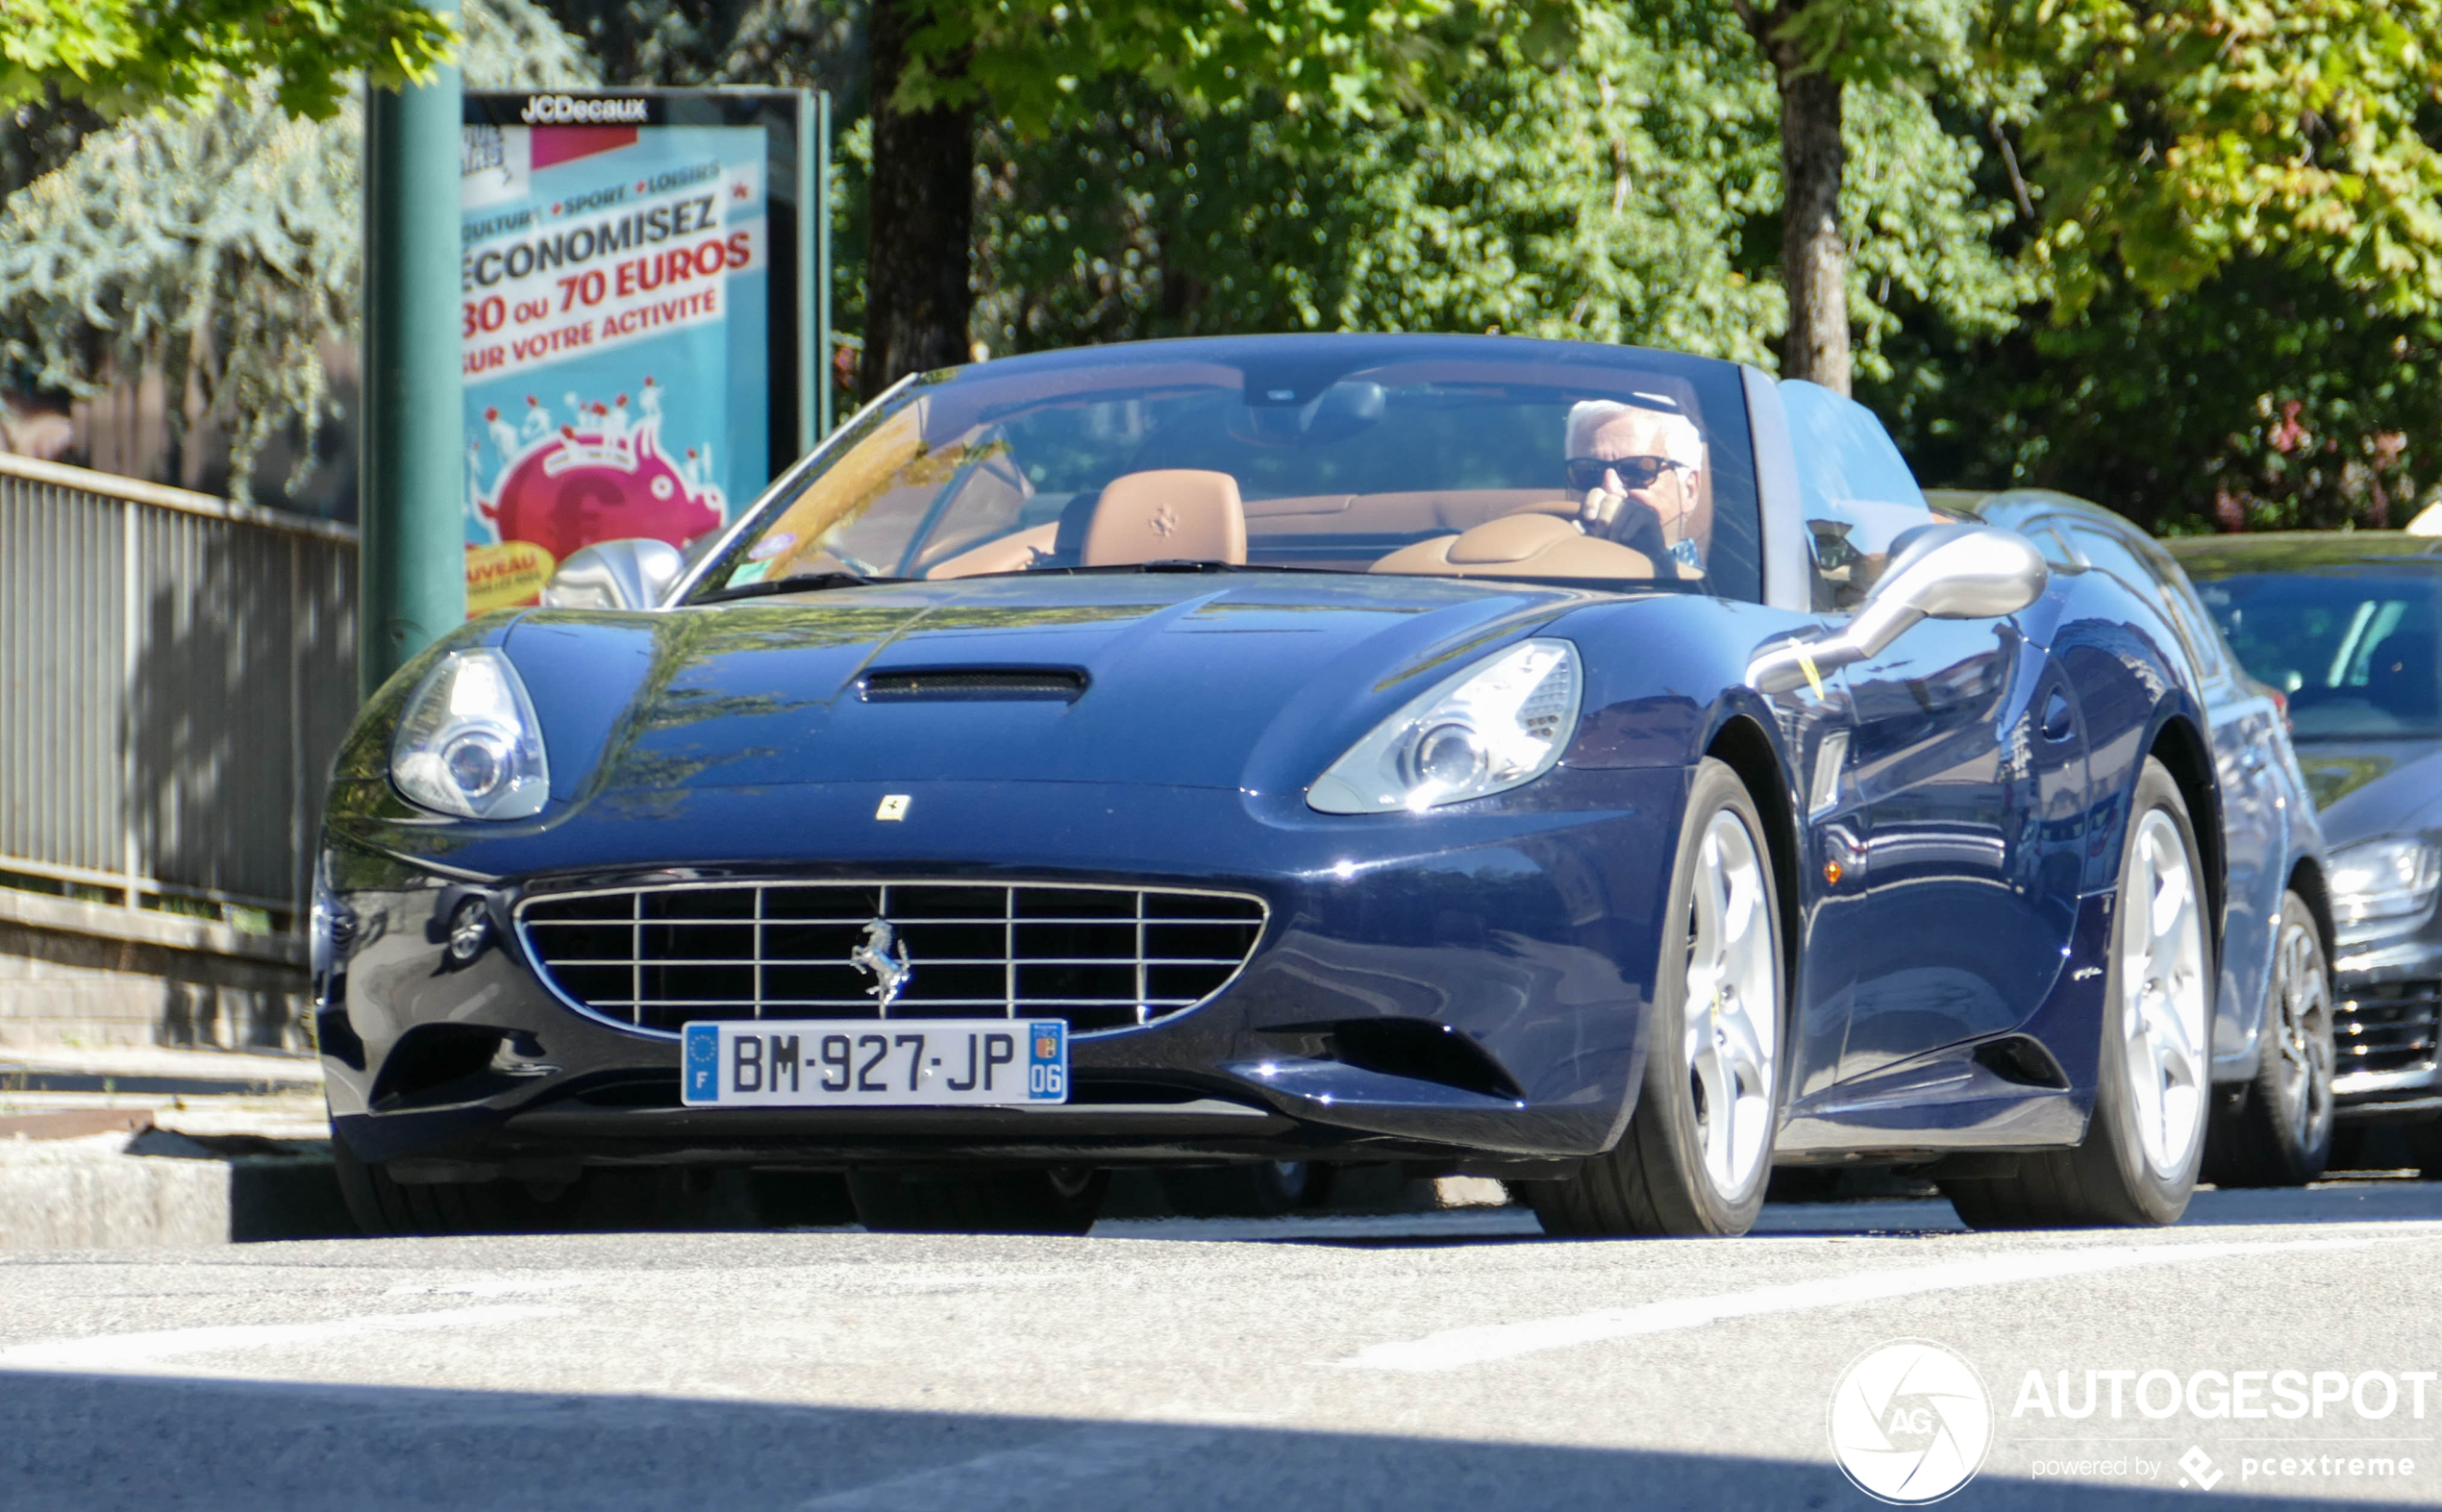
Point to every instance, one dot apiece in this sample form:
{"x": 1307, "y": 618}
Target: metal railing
{"x": 176, "y": 673}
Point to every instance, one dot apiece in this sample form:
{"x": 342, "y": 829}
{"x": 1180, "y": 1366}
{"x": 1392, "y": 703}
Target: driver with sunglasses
{"x": 1639, "y": 471}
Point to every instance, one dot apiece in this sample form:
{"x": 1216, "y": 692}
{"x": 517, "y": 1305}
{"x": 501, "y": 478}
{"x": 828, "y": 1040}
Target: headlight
{"x": 1501, "y": 722}
{"x": 468, "y": 744}
{"x": 2383, "y": 887}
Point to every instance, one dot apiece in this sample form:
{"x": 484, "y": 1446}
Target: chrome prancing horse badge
{"x": 884, "y": 956}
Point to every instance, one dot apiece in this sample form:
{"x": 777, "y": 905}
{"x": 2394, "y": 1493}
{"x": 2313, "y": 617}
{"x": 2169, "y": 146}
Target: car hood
{"x": 2369, "y": 788}
{"x": 1236, "y": 681}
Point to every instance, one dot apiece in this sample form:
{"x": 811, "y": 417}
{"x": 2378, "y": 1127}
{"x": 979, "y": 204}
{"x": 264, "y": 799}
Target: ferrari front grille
{"x": 2395, "y": 1027}
{"x": 1100, "y": 957}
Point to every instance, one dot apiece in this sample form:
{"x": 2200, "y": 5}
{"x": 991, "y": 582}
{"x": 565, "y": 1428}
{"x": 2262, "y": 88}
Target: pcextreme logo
{"x": 1910, "y": 1422}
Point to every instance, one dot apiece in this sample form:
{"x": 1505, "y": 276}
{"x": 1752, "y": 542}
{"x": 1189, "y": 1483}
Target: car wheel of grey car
{"x": 1058, "y": 1202}
{"x": 1258, "y": 1189}
{"x": 1698, "y": 1152}
{"x": 2138, "y": 1162}
{"x": 2280, "y": 1133}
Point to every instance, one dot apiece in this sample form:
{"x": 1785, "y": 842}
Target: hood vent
{"x": 972, "y": 685}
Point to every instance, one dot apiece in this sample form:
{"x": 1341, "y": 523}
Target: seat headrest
{"x": 1180, "y": 512}
{"x": 1526, "y": 546}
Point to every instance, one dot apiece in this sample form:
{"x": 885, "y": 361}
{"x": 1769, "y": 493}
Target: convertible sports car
{"x": 1592, "y": 767}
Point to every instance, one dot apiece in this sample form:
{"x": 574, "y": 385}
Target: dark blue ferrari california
{"x": 1591, "y": 767}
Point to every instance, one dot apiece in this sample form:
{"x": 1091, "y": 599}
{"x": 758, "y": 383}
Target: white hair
{"x": 1680, "y": 439}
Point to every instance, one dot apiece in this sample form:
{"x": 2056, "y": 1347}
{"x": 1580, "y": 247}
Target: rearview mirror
{"x": 1941, "y": 572}
{"x": 634, "y": 574}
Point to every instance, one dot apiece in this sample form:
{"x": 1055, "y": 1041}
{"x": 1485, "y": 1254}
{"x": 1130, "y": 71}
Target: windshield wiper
{"x": 794, "y": 583}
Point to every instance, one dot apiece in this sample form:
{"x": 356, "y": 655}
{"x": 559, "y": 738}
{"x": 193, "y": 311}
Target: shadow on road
{"x": 2352, "y": 1202}
{"x": 70, "y": 1441}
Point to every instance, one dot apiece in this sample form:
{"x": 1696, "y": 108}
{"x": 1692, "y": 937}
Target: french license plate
{"x": 889, "y": 1063}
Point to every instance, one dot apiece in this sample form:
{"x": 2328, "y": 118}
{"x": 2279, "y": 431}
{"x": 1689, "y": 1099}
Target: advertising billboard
{"x": 642, "y": 314}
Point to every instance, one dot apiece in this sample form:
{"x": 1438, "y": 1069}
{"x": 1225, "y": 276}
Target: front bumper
{"x": 1512, "y": 940}
{"x": 2388, "y": 1028}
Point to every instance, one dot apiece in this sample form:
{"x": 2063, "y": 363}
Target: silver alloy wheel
{"x": 2302, "y": 1037}
{"x": 2162, "y": 997}
{"x": 1733, "y": 1020}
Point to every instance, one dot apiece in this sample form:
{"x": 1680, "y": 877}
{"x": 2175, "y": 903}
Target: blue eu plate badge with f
{"x": 703, "y": 1062}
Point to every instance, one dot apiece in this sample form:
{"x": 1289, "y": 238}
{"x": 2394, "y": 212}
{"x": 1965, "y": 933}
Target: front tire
{"x": 1059, "y": 1202}
{"x": 2138, "y": 1162}
{"x": 1698, "y": 1152}
{"x": 384, "y": 1207}
{"x": 2281, "y": 1134}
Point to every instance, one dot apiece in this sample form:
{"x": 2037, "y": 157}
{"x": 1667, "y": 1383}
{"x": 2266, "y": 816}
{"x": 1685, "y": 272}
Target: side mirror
{"x": 1946, "y": 572}
{"x": 615, "y": 575}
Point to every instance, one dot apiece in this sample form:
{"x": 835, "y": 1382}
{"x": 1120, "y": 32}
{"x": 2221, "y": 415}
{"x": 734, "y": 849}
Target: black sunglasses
{"x": 1635, "y": 472}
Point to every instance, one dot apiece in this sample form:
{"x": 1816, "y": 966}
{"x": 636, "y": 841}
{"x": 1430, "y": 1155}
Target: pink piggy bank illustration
{"x": 585, "y": 486}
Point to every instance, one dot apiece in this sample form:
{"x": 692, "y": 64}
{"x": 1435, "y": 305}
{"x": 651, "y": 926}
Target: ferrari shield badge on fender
{"x": 893, "y": 805}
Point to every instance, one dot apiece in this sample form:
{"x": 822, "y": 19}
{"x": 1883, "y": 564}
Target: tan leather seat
{"x": 1175, "y": 513}
{"x": 1520, "y": 546}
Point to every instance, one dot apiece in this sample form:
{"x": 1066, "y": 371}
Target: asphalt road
{"x": 1435, "y": 1361}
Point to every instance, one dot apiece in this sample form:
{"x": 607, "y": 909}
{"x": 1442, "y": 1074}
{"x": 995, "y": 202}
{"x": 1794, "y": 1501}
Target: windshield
{"x": 2354, "y": 653}
{"x": 1356, "y": 454}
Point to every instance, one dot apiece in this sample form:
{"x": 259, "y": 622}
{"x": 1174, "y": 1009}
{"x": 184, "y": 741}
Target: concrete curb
{"x": 156, "y": 1189}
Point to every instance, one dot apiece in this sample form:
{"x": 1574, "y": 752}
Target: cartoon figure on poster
{"x": 599, "y": 475}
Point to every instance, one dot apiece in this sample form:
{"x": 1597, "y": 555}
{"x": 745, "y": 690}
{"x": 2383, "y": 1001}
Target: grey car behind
{"x": 2348, "y": 626}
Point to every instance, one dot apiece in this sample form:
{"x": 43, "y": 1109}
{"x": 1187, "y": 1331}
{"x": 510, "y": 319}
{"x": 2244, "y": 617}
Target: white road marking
{"x": 490, "y": 1287}
{"x": 1041, "y": 1469}
{"x": 1458, "y": 1347}
{"x": 136, "y": 1351}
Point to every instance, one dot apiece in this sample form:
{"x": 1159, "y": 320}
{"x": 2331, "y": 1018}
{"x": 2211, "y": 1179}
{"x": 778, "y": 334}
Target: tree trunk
{"x": 1814, "y": 255}
{"x": 917, "y": 296}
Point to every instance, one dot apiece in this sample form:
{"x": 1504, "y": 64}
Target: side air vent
{"x": 973, "y": 685}
{"x": 2022, "y": 1060}
{"x": 1410, "y": 1048}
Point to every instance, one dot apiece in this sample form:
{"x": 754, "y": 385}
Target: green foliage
{"x": 127, "y": 54}
{"x": 1880, "y": 42}
{"x": 2175, "y": 136}
{"x": 684, "y": 43}
{"x": 1629, "y": 193}
{"x": 2269, "y": 398}
{"x": 1025, "y": 61}
{"x": 2206, "y": 289}
{"x": 218, "y": 243}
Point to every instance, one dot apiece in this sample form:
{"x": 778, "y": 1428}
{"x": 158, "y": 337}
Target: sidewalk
{"x": 198, "y": 1092}
{"x": 122, "y": 1148}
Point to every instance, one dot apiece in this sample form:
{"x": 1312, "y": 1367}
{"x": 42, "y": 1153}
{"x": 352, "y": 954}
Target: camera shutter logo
{"x": 1910, "y": 1423}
